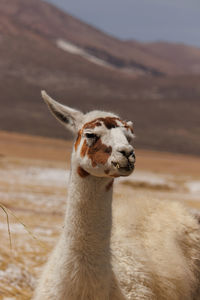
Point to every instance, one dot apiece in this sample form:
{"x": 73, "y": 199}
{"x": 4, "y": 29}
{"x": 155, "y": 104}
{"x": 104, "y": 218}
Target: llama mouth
{"x": 125, "y": 169}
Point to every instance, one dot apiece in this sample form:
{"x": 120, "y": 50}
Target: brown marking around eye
{"x": 109, "y": 185}
{"x": 99, "y": 153}
{"x": 107, "y": 172}
{"x": 84, "y": 148}
{"x": 78, "y": 140}
{"x": 82, "y": 173}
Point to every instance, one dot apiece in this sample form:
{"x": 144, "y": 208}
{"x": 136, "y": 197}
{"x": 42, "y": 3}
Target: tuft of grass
{"x": 20, "y": 266}
{"x": 6, "y": 211}
{"x": 8, "y": 224}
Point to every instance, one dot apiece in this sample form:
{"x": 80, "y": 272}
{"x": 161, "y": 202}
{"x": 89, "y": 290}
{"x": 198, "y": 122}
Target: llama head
{"x": 103, "y": 141}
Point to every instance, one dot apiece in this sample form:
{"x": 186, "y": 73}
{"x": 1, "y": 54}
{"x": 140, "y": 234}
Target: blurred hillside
{"x": 157, "y": 85}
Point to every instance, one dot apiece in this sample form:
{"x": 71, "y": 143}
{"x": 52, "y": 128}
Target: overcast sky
{"x": 144, "y": 20}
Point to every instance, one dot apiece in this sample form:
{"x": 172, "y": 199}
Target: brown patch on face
{"x": 78, "y": 140}
{"x": 109, "y": 185}
{"x": 99, "y": 153}
{"x": 82, "y": 172}
{"x": 107, "y": 172}
{"x": 109, "y": 122}
{"x": 84, "y": 148}
{"x": 92, "y": 124}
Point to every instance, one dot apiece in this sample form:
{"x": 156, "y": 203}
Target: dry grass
{"x": 33, "y": 192}
{"x": 146, "y": 185}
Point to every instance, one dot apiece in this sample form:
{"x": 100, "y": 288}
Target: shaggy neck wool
{"x": 88, "y": 225}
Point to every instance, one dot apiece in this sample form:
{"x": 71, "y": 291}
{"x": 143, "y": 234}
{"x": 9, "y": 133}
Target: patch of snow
{"x": 163, "y": 181}
{"x": 19, "y": 228}
{"x": 149, "y": 178}
{"x": 41, "y": 186}
{"x": 71, "y": 48}
{"x": 17, "y": 276}
{"x": 35, "y": 175}
{"x": 14, "y": 228}
{"x": 49, "y": 176}
{"x": 44, "y": 231}
{"x": 193, "y": 186}
{"x": 36, "y": 198}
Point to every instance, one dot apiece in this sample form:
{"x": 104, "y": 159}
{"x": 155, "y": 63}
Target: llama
{"x": 152, "y": 252}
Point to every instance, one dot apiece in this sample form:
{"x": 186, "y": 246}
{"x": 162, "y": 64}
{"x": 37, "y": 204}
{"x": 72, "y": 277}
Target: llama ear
{"x": 130, "y": 123}
{"x": 69, "y": 117}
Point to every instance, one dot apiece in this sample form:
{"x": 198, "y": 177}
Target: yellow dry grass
{"x": 34, "y": 201}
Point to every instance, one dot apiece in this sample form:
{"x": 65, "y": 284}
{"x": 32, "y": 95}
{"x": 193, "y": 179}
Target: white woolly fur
{"x": 151, "y": 252}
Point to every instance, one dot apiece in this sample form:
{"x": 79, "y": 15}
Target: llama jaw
{"x": 124, "y": 170}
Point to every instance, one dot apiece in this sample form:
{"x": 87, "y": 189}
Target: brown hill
{"x": 45, "y": 20}
{"x": 186, "y": 58}
{"x": 165, "y": 109}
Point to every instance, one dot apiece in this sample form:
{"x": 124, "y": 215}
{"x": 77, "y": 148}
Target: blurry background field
{"x": 33, "y": 186}
{"x": 155, "y": 84}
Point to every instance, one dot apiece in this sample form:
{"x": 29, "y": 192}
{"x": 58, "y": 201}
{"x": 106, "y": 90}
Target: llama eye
{"x": 91, "y": 136}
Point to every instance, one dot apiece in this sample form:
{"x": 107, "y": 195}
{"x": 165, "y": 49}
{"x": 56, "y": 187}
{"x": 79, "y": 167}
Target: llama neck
{"x": 89, "y": 218}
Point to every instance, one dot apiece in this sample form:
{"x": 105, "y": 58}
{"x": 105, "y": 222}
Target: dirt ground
{"x": 34, "y": 173}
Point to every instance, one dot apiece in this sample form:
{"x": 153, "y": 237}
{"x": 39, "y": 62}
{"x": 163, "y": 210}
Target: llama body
{"x": 151, "y": 253}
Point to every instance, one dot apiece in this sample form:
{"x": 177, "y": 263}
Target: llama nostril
{"x": 123, "y": 153}
{"x": 132, "y": 153}
{"x": 127, "y": 154}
